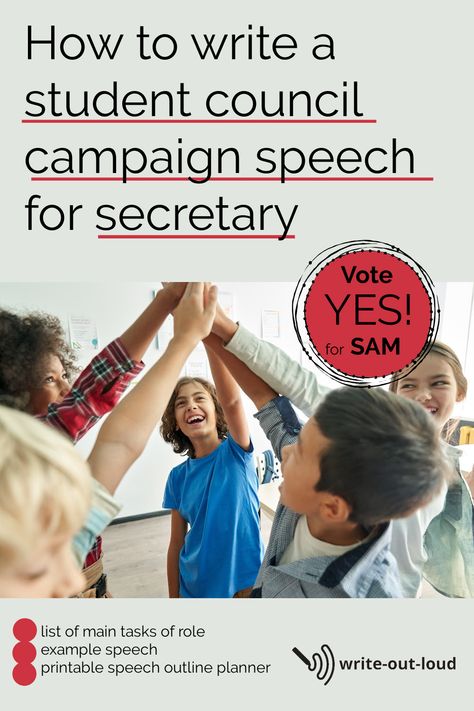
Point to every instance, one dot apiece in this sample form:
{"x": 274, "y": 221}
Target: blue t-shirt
{"x": 217, "y": 496}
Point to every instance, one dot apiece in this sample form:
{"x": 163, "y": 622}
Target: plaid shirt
{"x": 95, "y": 393}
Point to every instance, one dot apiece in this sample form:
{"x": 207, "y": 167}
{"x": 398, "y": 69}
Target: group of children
{"x": 372, "y": 501}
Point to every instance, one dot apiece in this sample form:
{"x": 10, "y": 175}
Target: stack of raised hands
{"x": 125, "y": 433}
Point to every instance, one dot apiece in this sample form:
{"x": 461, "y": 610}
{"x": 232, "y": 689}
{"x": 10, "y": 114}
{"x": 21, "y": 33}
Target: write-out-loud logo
{"x": 324, "y": 664}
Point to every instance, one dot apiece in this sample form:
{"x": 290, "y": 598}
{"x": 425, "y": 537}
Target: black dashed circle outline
{"x": 330, "y": 255}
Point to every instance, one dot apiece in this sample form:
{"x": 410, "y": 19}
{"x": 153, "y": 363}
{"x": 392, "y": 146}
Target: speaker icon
{"x": 322, "y": 663}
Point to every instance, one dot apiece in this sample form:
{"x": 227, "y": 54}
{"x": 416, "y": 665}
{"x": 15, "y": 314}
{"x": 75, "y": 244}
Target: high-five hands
{"x": 175, "y": 290}
{"x": 195, "y": 313}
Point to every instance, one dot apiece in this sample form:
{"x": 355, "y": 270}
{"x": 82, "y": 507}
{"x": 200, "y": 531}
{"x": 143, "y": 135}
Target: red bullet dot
{"x": 24, "y": 674}
{"x": 24, "y": 652}
{"x": 24, "y": 629}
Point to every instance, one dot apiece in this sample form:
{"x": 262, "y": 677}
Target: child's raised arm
{"x": 100, "y": 385}
{"x": 125, "y": 433}
{"x": 285, "y": 375}
{"x": 228, "y": 393}
{"x": 140, "y": 334}
{"x": 253, "y": 386}
{"x": 275, "y": 414}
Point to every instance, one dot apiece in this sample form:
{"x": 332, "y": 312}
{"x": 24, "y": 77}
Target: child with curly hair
{"x": 50, "y": 508}
{"x": 37, "y": 365}
{"x": 215, "y": 546}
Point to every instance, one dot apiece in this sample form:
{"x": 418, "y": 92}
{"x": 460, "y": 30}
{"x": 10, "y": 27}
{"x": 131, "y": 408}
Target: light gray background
{"x": 413, "y": 62}
{"x": 257, "y": 631}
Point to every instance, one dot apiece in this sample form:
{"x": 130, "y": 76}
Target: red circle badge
{"x": 364, "y": 311}
{"x": 24, "y": 629}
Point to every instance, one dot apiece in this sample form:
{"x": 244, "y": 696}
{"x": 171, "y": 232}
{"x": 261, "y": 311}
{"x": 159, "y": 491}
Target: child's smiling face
{"x": 54, "y": 386}
{"x": 195, "y": 411}
{"x": 433, "y": 385}
{"x": 48, "y": 571}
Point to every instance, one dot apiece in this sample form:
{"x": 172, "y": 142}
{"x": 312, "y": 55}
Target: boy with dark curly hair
{"x": 214, "y": 493}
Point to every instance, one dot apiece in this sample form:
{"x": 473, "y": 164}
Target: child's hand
{"x": 195, "y": 313}
{"x": 175, "y": 290}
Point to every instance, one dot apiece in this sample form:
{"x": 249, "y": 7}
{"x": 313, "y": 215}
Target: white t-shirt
{"x": 407, "y": 543}
{"x": 304, "y": 545}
